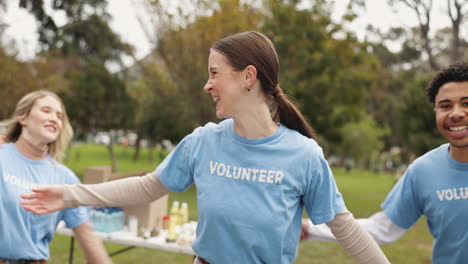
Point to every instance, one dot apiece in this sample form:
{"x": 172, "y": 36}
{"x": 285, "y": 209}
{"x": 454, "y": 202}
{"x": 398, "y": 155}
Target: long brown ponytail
{"x": 288, "y": 114}
{"x": 254, "y": 48}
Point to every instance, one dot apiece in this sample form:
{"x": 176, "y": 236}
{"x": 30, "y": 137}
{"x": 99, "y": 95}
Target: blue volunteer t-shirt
{"x": 24, "y": 235}
{"x": 436, "y": 186}
{"x": 251, "y": 192}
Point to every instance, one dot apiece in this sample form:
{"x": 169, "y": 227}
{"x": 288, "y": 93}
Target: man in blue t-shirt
{"x": 435, "y": 184}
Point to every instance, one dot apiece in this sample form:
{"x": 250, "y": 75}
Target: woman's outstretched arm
{"x": 379, "y": 226}
{"x": 355, "y": 240}
{"x": 129, "y": 191}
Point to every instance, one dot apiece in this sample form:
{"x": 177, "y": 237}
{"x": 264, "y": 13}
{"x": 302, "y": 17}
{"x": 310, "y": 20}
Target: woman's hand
{"x": 304, "y": 233}
{"x": 44, "y": 200}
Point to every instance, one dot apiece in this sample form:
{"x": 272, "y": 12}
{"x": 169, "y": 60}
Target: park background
{"x": 363, "y": 92}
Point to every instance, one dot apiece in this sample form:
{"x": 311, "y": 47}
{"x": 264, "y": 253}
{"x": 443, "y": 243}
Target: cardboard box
{"x": 93, "y": 175}
{"x": 149, "y": 215}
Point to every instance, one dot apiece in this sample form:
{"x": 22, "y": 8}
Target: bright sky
{"x": 382, "y": 16}
{"x": 23, "y": 26}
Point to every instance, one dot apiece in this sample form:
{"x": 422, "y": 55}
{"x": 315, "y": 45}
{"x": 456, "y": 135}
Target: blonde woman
{"x": 36, "y": 138}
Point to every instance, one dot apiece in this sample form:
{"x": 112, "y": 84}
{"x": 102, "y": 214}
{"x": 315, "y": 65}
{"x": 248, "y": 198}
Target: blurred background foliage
{"x": 364, "y": 99}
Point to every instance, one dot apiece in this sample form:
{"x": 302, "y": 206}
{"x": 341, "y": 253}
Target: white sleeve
{"x": 319, "y": 232}
{"x": 379, "y": 226}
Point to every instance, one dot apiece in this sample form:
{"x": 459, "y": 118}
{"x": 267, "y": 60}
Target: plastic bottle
{"x": 165, "y": 223}
{"x": 95, "y": 219}
{"x": 184, "y": 214}
{"x": 118, "y": 219}
{"x": 173, "y": 222}
{"x": 133, "y": 224}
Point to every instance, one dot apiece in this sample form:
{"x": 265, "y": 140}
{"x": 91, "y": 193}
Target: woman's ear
{"x": 250, "y": 75}
{"x": 22, "y": 122}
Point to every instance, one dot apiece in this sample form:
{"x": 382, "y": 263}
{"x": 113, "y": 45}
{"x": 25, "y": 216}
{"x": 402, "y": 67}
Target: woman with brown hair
{"x": 254, "y": 171}
{"x": 36, "y": 138}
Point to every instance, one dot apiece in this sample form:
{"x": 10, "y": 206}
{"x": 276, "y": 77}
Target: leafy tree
{"x": 323, "y": 66}
{"x": 456, "y": 11}
{"x": 399, "y": 101}
{"x": 384, "y": 98}
{"x": 16, "y": 80}
{"x": 409, "y": 54}
{"x": 185, "y": 50}
{"x": 418, "y": 125}
{"x": 98, "y": 100}
{"x": 16, "y": 77}
{"x": 95, "y": 98}
{"x": 85, "y": 34}
{"x": 422, "y": 10}
{"x": 161, "y": 106}
{"x": 94, "y": 105}
{"x": 362, "y": 140}
{"x": 168, "y": 84}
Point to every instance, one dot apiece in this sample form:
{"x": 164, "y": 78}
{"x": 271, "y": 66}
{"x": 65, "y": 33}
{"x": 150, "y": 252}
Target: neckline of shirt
{"x": 451, "y": 161}
{"x": 256, "y": 141}
{"x": 21, "y": 156}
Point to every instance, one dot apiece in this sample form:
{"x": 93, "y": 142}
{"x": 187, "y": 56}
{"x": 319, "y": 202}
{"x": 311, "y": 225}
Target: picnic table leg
{"x": 121, "y": 250}
{"x": 72, "y": 249}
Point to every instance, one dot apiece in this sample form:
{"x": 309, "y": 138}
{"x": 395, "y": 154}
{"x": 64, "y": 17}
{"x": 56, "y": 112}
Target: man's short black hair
{"x": 457, "y": 72}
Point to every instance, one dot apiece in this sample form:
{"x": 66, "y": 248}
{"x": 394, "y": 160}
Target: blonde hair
{"x": 23, "y": 108}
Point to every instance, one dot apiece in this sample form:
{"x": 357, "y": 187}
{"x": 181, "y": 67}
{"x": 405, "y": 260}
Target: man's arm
{"x": 378, "y": 225}
{"x": 92, "y": 246}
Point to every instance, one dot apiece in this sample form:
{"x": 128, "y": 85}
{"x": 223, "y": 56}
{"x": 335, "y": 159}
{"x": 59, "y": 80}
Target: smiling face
{"x": 44, "y": 122}
{"x": 451, "y": 108}
{"x": 225, "y": 85}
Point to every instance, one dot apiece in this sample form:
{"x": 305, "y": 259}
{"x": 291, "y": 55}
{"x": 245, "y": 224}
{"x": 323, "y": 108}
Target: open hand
{"x": 44, "y": 200}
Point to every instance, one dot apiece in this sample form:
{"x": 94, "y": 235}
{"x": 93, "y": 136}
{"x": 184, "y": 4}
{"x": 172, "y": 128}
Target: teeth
{"x": 51, "y": 128}
{"x": 458, "y": 128}
{"x": 215, "y": 99}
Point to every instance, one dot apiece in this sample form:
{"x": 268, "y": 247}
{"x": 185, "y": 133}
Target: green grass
{"x": 363, "y": 192}
{"x": 80, "y": 157}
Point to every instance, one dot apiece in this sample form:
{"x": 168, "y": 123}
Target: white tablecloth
{"x": 130, "y": 239}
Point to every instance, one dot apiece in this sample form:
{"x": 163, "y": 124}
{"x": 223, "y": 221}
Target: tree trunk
{"x": 151, "y": 148}
{"x": 110, "y": 148}
{"x": 423, "y": 14}
{"x": 455, "y": 56}
{"x": 427, "y": 47}
{"x": 137, "y": 154}
{"x": 456, "y": 17}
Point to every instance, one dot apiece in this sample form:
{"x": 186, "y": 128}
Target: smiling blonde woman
{"x": 36, "y": 138}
